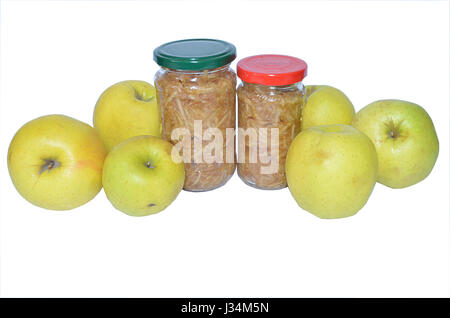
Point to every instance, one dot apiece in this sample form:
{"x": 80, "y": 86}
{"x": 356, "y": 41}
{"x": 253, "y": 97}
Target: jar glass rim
{"x": 212, "y": 70}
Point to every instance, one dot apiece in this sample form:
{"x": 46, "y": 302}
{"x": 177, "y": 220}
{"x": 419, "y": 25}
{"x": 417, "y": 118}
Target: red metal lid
{"x": 271, "y": 69}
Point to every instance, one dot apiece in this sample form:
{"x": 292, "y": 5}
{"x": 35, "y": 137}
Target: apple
{"x": 331, "y": 170}
{"x": 125, "y": 110}
{"x": 55, "y": 162}
{"x": 326, "y": 105}
{"x": 140, "y": 176}
{"x": 405, "y": 138}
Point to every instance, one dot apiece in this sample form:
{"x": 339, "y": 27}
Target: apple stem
{"x": 149, "y": 164}
{"x": 142, "y": 97}
{"x": 393, "y": 129}
{"x": 49, "y": 164}
{"x": 393, "y": 134}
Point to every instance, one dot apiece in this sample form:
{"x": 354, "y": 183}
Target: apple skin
{"x": 326, "y": 105}
{"x": 331, "y": 170}
{"x": 140, "y": 177}
{"x": 405, "y": 138}
{"x": 55, "y": 162}
{"x": 127, "y": 109}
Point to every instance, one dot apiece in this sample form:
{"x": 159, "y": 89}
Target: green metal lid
{"x": 194, "y": 54}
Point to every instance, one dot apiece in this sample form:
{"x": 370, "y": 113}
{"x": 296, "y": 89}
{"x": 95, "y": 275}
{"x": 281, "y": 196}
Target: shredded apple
{"x": 268, "y": 107}
{"x": 208, "y": 98}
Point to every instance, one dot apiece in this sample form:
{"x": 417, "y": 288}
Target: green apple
{"x": 326, "y": 105}
{"x": 55, "y": 162}
{"x": 125, "y": 110}
{"x": 143, "y": 175}
{"x": 331, "y": 170}
{"x": 404, "y": 136}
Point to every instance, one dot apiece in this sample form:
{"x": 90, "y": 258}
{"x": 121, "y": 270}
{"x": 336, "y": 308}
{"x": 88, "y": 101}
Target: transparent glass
{"x": 198, "y": 101}
{"x": 274, "y": 114}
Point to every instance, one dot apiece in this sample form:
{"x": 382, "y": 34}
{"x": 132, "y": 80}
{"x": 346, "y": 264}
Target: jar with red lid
{"x": 270, "y": 101}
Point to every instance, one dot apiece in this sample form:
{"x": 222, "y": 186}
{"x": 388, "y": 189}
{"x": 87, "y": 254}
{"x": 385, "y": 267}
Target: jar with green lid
{"x": 196, "y": 91}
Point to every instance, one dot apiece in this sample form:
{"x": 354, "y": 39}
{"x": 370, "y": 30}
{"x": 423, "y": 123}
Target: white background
{"x": 58, "y": 57}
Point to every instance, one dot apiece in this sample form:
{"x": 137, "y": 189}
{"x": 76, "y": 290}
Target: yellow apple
{"x": 55, "y": 162}
{"x": 125, "y": 110}
{"x": 404, "y": 136}
{"x": 331, "y": 170}
{"x": 326, "y": 105}
{"x": 140, "y": 176}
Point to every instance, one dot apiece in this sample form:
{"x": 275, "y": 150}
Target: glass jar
{"x": 196, "y": 91}
{"x": 270, "y": 100}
